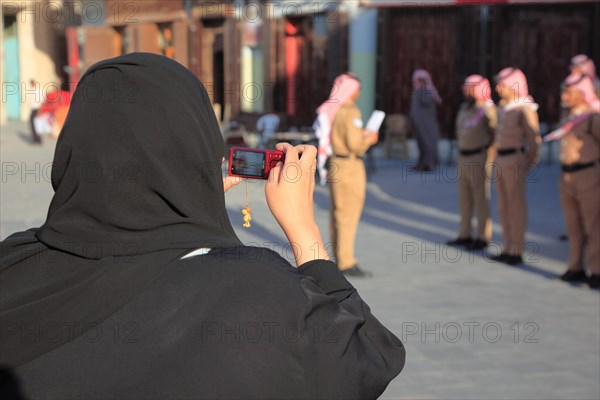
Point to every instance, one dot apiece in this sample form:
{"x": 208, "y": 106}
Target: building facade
{"x": 256, "y": 57}
{"x": 460, "y": 39}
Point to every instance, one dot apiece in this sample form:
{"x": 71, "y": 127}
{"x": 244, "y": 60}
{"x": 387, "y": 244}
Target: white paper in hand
{"x": 375, "y": 121}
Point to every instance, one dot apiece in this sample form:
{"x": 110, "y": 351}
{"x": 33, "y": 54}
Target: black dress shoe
{"x": 356, "y": 272}
{"x": 476, "y": 244}
{"x": 502, "y": 257}
{"x": 512, "y": 259}
{"x": 594, "y": 281}
{"x": 460, "y": 241}
{"x": 573, "y": 276}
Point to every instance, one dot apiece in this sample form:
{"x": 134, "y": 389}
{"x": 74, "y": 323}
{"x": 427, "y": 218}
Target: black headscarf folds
{"x": 137, "y": 164}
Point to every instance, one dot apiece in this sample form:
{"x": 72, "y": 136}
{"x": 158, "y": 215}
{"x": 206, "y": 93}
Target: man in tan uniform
{"x": 347, "y": 177}
{"x": 583, "y": 65}
{"x": 516, "y": 146}
{"x": 475, "y": 124}
{"x": 579, "y": 182}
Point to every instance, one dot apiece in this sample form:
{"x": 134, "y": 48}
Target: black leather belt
{"x": 347, "y": 156}
{"x": 472, "y": 152}
{"x": 576, "y": 167}
{"x": 507, "y": 152}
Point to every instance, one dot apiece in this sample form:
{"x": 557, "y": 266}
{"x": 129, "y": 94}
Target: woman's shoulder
{"x": 255, "y": 274}
{"x": 255, "y": 260}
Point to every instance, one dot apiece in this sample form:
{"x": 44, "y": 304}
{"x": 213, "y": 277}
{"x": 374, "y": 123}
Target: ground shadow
{"x": 26, "y": 137}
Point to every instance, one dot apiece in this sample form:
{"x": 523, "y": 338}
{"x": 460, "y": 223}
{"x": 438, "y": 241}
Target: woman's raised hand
{"x": 289, "y": 192}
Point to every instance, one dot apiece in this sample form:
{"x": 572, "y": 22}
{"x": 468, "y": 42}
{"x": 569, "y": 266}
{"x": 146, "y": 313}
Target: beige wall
{"x": 39, "y": 55}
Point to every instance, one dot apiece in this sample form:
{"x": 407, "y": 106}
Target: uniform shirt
{"x": 347, "y": 134}
{"x": 582, "y": 144}
{"x": 518, "y": 126}
{"x": 475, "y": 126}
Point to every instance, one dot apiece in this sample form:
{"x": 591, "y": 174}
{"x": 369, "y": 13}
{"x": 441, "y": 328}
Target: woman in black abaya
{"x": 137, "y": 287}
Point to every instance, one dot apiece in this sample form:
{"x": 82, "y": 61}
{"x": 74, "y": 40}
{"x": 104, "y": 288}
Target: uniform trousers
{"x": 474, "y": 195}
{"x": 347, "y": 177}
{"x": 580, "y": 200}
{"x": 35, "y": 138}
{"x": 510, "y": 175}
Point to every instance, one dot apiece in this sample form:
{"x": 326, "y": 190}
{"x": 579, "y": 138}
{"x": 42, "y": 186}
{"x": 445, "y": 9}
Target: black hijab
{"x": 138, "y": 183}
{"x": 138, "y": 163}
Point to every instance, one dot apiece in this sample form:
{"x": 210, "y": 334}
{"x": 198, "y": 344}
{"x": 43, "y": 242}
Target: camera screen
{"x": 249, "y": 163}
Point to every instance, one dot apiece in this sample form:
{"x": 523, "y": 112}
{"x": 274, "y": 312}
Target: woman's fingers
{"x": 275, "y": 173}
{"x": 305, "y": 148}
{"x": 291, "y": 154}
{"x": 309, "y": 154}
{"x": 230, "y": 181}
{"x": 304, "y": 156}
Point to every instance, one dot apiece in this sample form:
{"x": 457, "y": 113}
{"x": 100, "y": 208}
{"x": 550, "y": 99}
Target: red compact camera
{"x": 253, "y": 163}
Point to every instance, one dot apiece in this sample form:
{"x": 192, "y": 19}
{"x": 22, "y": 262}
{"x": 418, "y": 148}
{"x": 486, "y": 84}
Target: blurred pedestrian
{"x": 475, "y": 124}
{"x": 55, "y": 109}
{"x": 582, "y": 64}
{"x": 267, "y": 126}
{"x": 516, "y": 147}
{"x": 579, "y": 182}
{"x": 423, "y": 119}
{"x": 35, "y": 102}
{"x": 347, "y": 175}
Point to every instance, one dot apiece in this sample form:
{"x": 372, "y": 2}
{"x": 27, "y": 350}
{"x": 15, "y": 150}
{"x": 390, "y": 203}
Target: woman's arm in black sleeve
{"x": 350, "y": 354}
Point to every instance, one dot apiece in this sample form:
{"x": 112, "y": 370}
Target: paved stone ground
{"x": 473, "y": 329}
